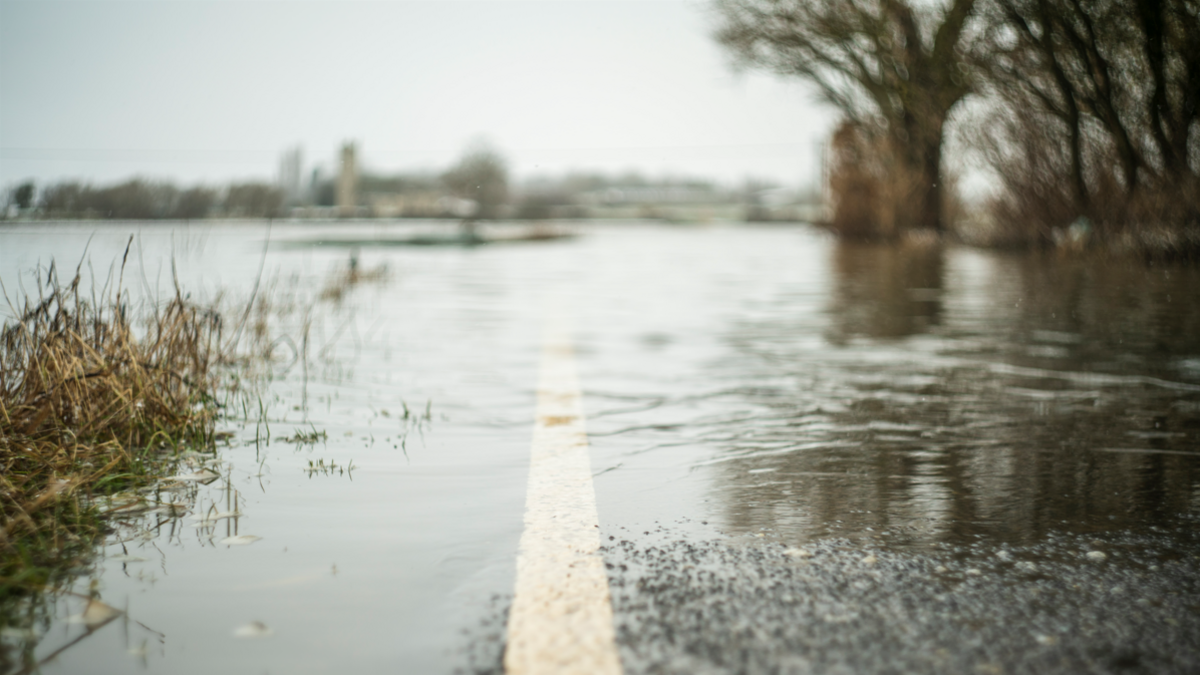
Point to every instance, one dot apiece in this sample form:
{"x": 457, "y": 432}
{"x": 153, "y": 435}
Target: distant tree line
{"x": 476, "y": 187}
{"x": 481, "y": 189}
{"x": 1090, "y": 110}
{"x": 139, "y": 199}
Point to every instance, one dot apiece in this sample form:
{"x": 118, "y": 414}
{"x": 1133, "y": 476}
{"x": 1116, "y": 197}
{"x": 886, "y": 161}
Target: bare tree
{"x": 194, "y": 202}
{"x": 64, "y": 199}
{"x": 253, "y": 200}
{"x": 481, "y": 176}
{"x": 135, "y": 199}
{"x": 22, "y": 195}
{"x": 1117, "y": 83}
{"x": 892, "y": 65}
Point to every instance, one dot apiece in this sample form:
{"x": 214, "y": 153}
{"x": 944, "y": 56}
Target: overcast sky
{"x": 216, "y": 90}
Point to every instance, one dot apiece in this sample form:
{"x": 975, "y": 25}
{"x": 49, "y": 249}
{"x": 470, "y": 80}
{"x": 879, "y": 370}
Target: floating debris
{"x": 870, "y": 559}
{"x": 126, "y": 558}
{"x": 254, "y": 629}
{"x": 240, "y": 540}
{"x": 129, "y": 510}
{"x": 203, "y": 476}
{"x": 96, "y": 614}
{"x": 1098, "y": 556}
{"x": 797, "y": 553}
{"x": 204, "y": 519}
{"x": 170, "y": 486}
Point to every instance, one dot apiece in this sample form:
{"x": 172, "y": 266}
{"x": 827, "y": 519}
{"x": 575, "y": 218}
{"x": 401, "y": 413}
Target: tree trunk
{"x": 931, "y": 202}
{"x": 1072, "y": 118}
{"x": 917, "y": 185}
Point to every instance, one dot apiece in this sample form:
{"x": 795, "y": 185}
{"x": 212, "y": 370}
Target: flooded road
{"x": 766, "y": 390}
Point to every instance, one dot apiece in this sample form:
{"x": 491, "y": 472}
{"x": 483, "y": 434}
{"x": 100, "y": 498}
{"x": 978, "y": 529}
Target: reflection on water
{"x": 883, "y": 292}
{"x": 960, "y": 394}
{"x": 140, "y": 525}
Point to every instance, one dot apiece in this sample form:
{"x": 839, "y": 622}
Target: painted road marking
{"x": 561, "y": 618}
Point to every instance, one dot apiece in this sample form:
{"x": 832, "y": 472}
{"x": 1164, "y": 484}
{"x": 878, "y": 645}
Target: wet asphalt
{"x": 1123, "y": 603}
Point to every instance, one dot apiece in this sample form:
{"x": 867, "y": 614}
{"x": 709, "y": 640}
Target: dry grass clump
{"x": 90, "y": 397}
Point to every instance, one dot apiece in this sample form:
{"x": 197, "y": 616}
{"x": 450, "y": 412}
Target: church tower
{"x": 347, "y": 185}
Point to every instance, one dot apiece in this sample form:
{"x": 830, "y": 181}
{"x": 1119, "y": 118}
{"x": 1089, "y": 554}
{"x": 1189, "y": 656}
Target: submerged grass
{"x": 95, "y": 398}
{"x": 342, "y": 281}
{"x": 310, "y": 437}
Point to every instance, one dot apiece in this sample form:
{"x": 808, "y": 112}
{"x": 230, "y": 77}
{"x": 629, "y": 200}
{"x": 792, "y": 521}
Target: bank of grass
{"x": 96, "y": 397}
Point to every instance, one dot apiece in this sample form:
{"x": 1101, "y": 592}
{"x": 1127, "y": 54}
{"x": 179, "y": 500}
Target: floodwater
{"x": 739, "y": 381}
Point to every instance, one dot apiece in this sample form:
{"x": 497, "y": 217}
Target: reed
{"x": 341, "y": 281}
{"x": 96, "y": 397}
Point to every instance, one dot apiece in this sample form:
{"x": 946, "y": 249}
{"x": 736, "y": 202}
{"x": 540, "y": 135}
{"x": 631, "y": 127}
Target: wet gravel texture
{"x": 1125, "y": 604}
{"x": 481, "y": 650}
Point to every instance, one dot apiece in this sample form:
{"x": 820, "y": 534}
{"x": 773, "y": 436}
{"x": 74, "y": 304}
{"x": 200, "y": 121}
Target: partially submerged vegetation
{"x": 111, "y": 412}
{"x": 97, "y": 397}
{"x": 342, "y": 280}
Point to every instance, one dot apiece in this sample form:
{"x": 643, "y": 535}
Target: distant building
{"x": 291, "y": 165}
{"x": 413, "y": 195}
{"x": 347, "y": 185}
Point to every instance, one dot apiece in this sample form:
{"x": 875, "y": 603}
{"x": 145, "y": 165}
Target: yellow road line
{"x": 561, "y": 618}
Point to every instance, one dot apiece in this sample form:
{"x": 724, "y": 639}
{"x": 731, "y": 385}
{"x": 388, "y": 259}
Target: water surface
{"x": 738, "y": 381}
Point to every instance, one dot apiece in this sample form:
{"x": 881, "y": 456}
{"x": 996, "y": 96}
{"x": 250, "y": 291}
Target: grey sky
{"x": 216, "y": 90}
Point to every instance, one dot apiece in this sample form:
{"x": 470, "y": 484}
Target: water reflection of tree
{"x": 1114, "y": 316}
{"x": 981, "y": 437}
{"x": 884, "y": 291}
